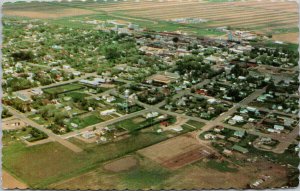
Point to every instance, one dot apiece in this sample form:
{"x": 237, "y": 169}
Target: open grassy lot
{"x": 195, "y": 124}
{"x": 146, "y": 174}
{"x": 55, "y": 162}
{"x": 138, "y": 123}
{"x": 86, "y": 121}
{"x": 149, "y": 175}
{"x": 63, "y": 88}
{"x": 39, "y": 119}
{"x": 220, "y": 166}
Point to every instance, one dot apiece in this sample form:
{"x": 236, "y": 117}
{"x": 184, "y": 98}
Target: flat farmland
{"x": 176, "y": 152}
{"x": 148, "y": 174}
{"x": 38, "y": 10}
{"x": 260, "y": 16}
{"x": 236, "y": 14}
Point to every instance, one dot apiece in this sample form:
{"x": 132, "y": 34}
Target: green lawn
{"x": 196, "y": 124}
{"x": 75, "y": 94}
{"x": 137, "y": 123}
{"x": 130, "y": 124}
{"x": 63, "y": 88}
{"x": 86, "y": 121}
{"x": 38, "y": 119}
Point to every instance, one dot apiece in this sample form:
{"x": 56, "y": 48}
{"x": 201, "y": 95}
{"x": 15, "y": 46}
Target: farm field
{"x": 152, "y": 175}
{"x": 55, "y": 156}
{"x": 279, "y": 19}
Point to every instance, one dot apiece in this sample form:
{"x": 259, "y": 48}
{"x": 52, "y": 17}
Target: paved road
{"x": 51, "y": 135}
{"x": 284, "y": 141}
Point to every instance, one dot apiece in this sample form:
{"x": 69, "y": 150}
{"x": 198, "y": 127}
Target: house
{"x": 66, "y": 67}
{"x": 177, "y": 129}
{"x": 212, "y": 59}
{"x": 88, "y": 135}
{"x": 252, "y": 109}
{"x": 238, "y": 118}
{"x": 271, "y": 130}
{"x": 240, "y": 149}
{"x": 251, "y": 120}
{"x": 37, "y": 91}
{"x": 151, "y": 115}
{"x": 211, "y": 101}
{"x": 67, "y": 108}
{"x": 242, "y": 78}
{"x": 95, "y": 81}
{"x": 288, "y": 122}
{"x": 76, "y": 73}
{"x": 218, "y": 129}
{"x": 227, "y": 152}
{"x": 239, "y": 133}
{"x": 233, "y": 139}
{"x": 23, "y": 97}
{"x": 74, "y": 125}
{"x": 278, "y": 127}
{"x": 209, "y": 136}
{"x": 108, "y": 112}
{"x": 220, "y": 136}
{"x": 110, "y": 99}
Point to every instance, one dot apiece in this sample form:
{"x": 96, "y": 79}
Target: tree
{"x": 112, "y": 52}
{"x": 175, "y": 39}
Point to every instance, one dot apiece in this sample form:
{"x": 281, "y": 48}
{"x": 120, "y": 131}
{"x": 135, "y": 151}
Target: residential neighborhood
{"x": 103, "y": 93}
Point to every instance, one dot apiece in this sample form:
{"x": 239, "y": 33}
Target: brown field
{"x": 122, "y": 164}
{"x": 176, "y": 152}
{"x": 10, "y": 182}
{"x": 12, "y": 124}
{"x": 287, "y": 37}
{"x": 201, "y": 177}
{"x": 186, "y": 158}
{"x": 195, "y": 176}
{"x": 49, "y": 15}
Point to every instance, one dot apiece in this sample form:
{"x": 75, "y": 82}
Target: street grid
{"x": 285, "y": 141}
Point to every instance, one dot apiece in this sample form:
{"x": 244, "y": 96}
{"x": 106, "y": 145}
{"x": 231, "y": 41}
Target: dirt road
{"x": 10, "y": 182}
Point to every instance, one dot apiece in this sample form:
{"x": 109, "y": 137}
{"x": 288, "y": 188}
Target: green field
{"x": 54, "y": 162}
{"x": 63, "y": 88}
{"x": 195, "y": 124}
{"x": 86, "y": 121}
{"x": 222, "y": 166}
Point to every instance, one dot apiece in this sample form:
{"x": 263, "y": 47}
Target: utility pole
{"x": 126, "y": 97}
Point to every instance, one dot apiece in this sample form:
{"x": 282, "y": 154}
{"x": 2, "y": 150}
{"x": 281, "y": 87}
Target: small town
{"x": 115, "y": 92}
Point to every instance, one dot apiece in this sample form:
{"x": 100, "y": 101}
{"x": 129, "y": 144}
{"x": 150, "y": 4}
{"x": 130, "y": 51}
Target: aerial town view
{"x": 150, "y": 94}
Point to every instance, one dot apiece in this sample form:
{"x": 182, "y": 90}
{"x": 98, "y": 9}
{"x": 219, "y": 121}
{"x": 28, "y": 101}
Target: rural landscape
{"x": 150, "y": 94}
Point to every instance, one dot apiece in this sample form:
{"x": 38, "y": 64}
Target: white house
{"x": 88, "y": 135}
{"x": 110, "y": 99}
{"x": 108, "y": 112}
{"x": 278, "y": 127}
{"x": 238, "y": 118}
{"x": 151, "y": 114}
